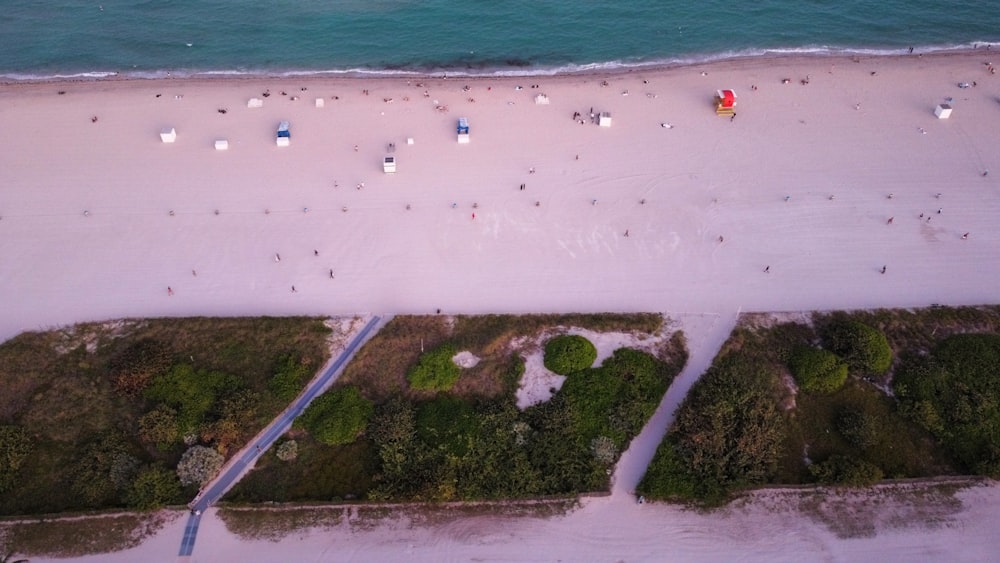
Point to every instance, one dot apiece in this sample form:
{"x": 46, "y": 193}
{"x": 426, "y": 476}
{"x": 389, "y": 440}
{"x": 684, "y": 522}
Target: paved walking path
{"x": 245, "y": 459}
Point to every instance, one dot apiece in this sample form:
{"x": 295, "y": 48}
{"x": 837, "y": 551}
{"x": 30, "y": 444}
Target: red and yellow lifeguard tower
{"x": 725, "y": 102}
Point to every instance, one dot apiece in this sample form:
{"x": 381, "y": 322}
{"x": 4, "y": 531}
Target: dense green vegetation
{"x": 99, "y": 415}
{"x": 435, "y": 370}
{"x": 337, "y": 417}
{"x": 954, "y": 392}
{"x": 472, "y": 442}
{"x": 817, "y": 370}
{"x": 569, "y": 353}
{"x": 744, "y": 424}
{"x": 727, "y": 435}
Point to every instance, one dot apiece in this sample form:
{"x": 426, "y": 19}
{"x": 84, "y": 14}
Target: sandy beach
{"x": 795, "y": 204}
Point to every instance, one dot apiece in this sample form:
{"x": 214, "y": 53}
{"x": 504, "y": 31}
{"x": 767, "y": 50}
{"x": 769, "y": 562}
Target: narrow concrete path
{"x": 246, "y": 458}
{"x": 706, "y": 333}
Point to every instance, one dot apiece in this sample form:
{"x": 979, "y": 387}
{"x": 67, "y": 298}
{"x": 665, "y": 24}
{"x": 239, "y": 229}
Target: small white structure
{"x": 604, "y": 120}
{"x": 284, "y": 137}
{"x": 409, "y": 140}
{"x": 255, "y": 103}
{"x": 943, "y": 111}
{"x": 320, "y": 102}
{"x": 389, "y": 165}
{"x": 222, "y": 145}
{"x": 542, "y": 100}
{"x": 168, "y": 134}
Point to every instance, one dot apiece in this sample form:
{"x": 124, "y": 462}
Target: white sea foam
{"x": 527, "y": 71}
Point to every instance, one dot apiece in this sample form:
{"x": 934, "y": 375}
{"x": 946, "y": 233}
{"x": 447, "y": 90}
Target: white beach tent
{"x": 389, "y": 165}
{"x": 943, "y": 111}
{"x": 542, "y": 100}
{"x": 222, "y": 145}
{"x": 604, "y": 120}
{"x": 255, "y": 103}
{"x": 168, "y": 134}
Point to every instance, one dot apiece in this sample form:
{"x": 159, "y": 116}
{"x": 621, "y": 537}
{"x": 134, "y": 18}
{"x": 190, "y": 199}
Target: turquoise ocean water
{"x": 147, "y": 38}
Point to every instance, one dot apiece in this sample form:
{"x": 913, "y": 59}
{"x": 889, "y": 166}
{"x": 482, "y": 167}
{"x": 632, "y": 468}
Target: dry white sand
{"x": 859, "y": 131}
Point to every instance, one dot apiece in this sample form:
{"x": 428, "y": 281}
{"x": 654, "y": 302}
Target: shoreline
{"x": 512, "y": 71}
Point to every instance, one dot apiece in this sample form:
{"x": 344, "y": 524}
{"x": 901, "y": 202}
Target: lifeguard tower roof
{"x": 727, "y": 98}
{"x": 463, "y": 125}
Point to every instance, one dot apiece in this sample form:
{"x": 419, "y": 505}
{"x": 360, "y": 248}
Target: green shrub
{"x": 847, "y": 471}
{"x": 435, "y": 370}
{"x": 192, "y": 392}
{"x": 591, "y": 395}
{"x": 448, "y": 423}
{"x": 569, "y": 353}
{"x": 154, "y": 487}
{"x": 159, "y": 427}
{"x": 15, "y": 446}
{"x": 861, "y": 429}
{"x": 865, "y": 349}
{"x": 816, "y": 370}
{"x": 337, "y": 417}
{"x": 104, "y": 470}
{"x": 289, "y": 378}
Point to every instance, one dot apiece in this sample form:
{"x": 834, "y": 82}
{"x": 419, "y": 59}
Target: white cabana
{"x": 320, "y": 102}
{"x": 943, "y": 111}
{"x": 284, "y": 136}
{"x": 389, "y": 165}
{"x": 168, "y": 134}
{"x": 542, "y": 100}
{"x": 604, "y": 120}
{"x": 222, "y": 145}
{"x": 409, "y": 140}
{"x": 255, "y": 103}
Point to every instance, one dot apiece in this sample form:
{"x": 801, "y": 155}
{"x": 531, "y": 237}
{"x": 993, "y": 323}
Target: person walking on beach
{"x": 889, "y": 222}
{"x": 294, "y": 290}
{"x": 626, "y": 232}
{"x": 277, "y": 257}
{"x": 331, "y": 273}
{"x": 767, "y": 269}
{"x": 315, "y": 253}
{"x": 883, "y": 269}
{"x": 965, "y": 236}
{"x": 170, "y": 291}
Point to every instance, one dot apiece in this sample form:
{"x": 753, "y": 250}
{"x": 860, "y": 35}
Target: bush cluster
{"x": 865, "y": 348}
{"x": 451, "y": 448}
{"x": 198, "y": 465}
{"x": 955, "y": 394}
{"x": 817, "y": 370}
{"x": 336, "y": 417}
{"x": 727, "y": 434}
{"x": 569, "y": 353}
{"x": 435, "y": 370}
